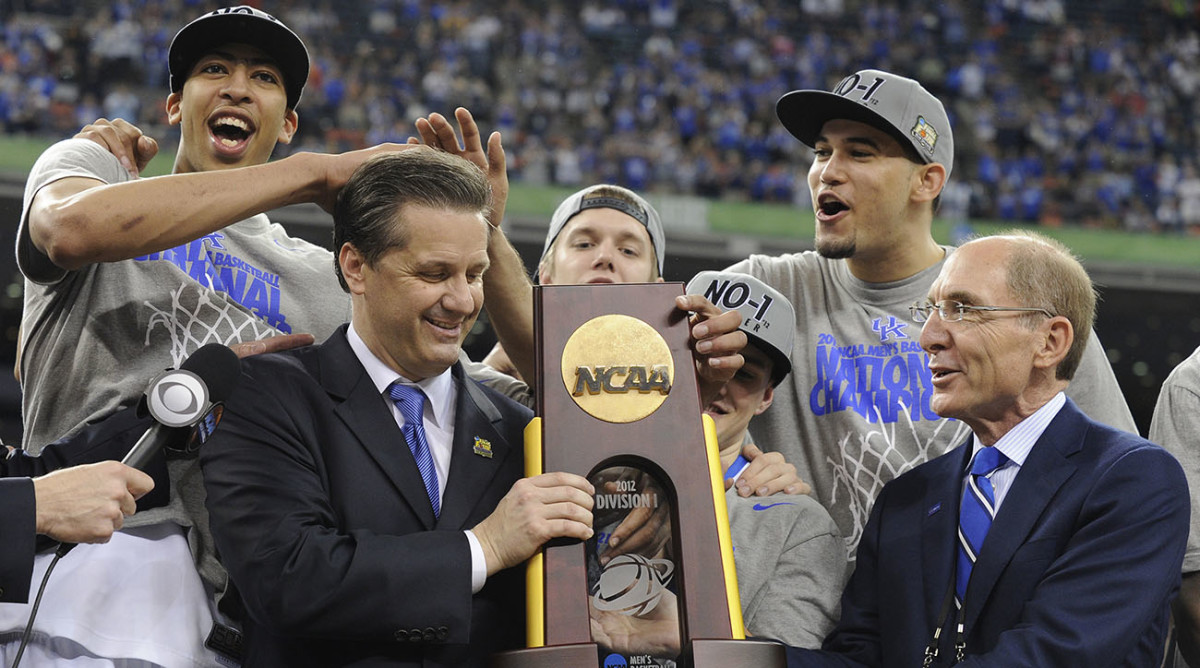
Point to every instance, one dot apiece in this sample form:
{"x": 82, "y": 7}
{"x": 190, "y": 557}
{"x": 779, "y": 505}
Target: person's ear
{"x": 291, "y": 122}
{"x": 1055, "y": 343}
{"x": 928, "y": 181}
{"x": 354, "y": 268}
{"x": 767, "y": 398}
{"x": 544, "y": 274}
{"x": 174, "y": 101}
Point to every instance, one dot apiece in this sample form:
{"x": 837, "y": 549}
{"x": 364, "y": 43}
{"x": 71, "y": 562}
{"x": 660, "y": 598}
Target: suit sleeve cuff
{"x": 478, "y": 563}
{"x": 19, "y": 528}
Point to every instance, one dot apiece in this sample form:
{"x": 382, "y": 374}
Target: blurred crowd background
{"x": 1065, "y": 112}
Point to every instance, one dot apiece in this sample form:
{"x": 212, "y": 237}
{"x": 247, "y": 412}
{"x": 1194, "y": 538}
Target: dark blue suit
{"x": 1079, "y": 567}
{"x": 319, "y": 513}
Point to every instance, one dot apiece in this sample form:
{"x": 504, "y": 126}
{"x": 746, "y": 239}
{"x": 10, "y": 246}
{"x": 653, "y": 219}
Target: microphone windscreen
{"x": 219, "y": 368}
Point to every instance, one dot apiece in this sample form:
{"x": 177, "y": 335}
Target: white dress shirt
{"x": 1017, "y": 444}
{"x": 440, "y": 409}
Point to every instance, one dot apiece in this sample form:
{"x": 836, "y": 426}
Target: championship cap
{"x": 894, "y": 104}
{"x": 588, "y": 199}
{"x": 768, "y": 318}
{"x": 241, "y": 25}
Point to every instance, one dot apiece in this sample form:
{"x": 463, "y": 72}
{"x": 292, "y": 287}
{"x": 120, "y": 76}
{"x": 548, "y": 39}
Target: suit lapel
{"x": 366, "y": 414}
{"x": 479, "y": 453}
{"x": 940, "y": 529}
{"x": 1046, "y": 469}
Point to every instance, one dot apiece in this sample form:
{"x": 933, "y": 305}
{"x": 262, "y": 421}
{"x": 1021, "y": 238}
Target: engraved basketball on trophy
{"x": 618, "y": 403}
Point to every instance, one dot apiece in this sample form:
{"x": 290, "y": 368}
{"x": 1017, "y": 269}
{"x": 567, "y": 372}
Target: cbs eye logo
{"x": 177, "y": 398}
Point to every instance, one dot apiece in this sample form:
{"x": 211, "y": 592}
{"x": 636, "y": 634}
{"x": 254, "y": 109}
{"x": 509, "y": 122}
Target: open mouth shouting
{"x": 830, "y": 207}
{"x": 231, "y": 132}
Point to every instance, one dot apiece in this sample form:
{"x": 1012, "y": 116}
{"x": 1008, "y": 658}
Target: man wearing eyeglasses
{"x": 1046, "y": 538}
{"x": 856, "y": 412}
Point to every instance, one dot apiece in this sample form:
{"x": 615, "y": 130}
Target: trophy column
{"x": 618, "y": 403}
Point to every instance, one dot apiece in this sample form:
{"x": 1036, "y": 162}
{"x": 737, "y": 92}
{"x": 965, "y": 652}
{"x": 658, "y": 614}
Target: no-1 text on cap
{"x": 892, "y": 103}
{"x": 768, "y": 318}
{"x": 240, "y": 25}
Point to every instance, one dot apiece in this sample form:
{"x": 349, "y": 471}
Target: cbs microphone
{"x": 181, "y": 398}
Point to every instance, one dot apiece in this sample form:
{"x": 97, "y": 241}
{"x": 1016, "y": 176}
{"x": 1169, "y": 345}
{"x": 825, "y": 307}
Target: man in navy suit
{"x": 343, "y": 551}
{"x": 1081, "y": 561}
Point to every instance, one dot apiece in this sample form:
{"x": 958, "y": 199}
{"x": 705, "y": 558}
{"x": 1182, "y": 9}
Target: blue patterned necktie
{"x": 411, "y": 402}
{"x": 975, "y": 515}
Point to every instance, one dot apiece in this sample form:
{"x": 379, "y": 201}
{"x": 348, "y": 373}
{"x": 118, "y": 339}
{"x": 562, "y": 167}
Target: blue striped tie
{"x": 411, "y": 402}
{"x": 975, "y": 515}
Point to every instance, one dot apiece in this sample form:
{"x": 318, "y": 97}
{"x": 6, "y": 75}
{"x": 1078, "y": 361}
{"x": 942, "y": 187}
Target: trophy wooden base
{"x": 702, "y": 654}
{"x": 748, "y": 652}
{"x": 583, "y": 656}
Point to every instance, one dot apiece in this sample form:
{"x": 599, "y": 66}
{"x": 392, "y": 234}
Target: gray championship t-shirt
{"x": 854, "y": 413}
{"x": 92, "y": 339}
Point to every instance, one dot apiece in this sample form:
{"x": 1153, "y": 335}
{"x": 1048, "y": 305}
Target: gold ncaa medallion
{"x": 617, "y": 368}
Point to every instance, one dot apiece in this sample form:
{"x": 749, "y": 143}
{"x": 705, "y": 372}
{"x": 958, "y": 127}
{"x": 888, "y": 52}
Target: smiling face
{"x": 232, "y": 111}
{"x": 415, "y": 306}
{"x": 873, "y": 202}
{"x": 600, "y": 245}
{"x": 988, "y": 368}
{"x": 749, "y": 393}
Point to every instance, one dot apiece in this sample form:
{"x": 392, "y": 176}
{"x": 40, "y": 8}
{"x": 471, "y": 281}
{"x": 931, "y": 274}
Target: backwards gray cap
{"x": 768, "y": 318}
{"x": 585, "y": 199}
{"x": 895, "y": 104}
{"x": 240, "y": 25}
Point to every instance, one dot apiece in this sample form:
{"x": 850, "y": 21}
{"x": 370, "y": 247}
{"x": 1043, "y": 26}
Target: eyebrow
{"x": 865, "y": 141}
{"x": 961, "y": 296}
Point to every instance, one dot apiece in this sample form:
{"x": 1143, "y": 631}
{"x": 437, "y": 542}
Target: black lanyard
{"x": 960, "y": 644}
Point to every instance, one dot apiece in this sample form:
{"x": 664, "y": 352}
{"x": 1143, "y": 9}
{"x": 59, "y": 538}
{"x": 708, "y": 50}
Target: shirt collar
{"x": 1019, "y": 441}
{"x": 439, "y": 390}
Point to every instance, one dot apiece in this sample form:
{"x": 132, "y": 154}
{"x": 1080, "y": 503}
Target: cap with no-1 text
{"x": 897, "y": 105}
{"x": 768, "y": 318}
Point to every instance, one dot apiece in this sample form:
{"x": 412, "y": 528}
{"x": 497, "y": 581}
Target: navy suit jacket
{"x": 1078, "y": 569}
{"x": 320, "y": 515}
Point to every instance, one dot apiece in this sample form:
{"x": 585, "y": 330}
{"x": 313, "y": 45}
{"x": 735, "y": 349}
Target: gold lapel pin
{"x": 483, "y": 447}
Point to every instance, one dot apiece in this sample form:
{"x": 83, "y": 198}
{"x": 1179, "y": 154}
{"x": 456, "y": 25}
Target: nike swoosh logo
{"x": 760, "y": 506}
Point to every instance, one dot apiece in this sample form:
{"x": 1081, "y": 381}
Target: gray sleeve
{"x": 503, "y": 383}
{"x": 1176, "y": 427}
{"x": 1095, "y": 390}
{"x": 801, "y": 600}
{"x": 69, "y": 158}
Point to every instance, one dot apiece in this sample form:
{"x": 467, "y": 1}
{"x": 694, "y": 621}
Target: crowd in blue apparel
{"x": 1064, "y": 111}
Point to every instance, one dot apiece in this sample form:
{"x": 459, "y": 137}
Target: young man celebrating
{"x": 126, "y": 277}
{"x": 856, "y": 413}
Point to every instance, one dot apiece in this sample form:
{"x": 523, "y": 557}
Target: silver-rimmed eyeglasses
{"x": 952, "y": 311}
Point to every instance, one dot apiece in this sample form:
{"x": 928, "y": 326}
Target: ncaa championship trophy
{"x": 619, "y": 404}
